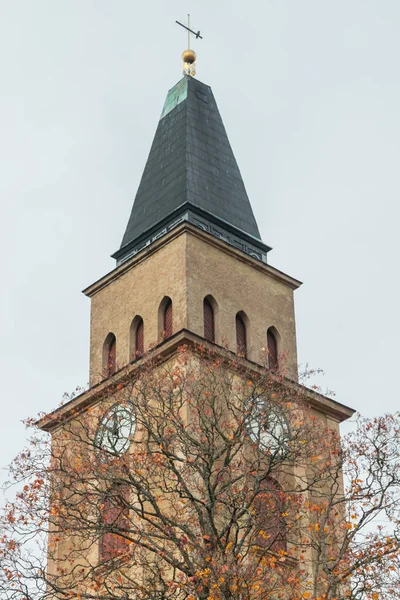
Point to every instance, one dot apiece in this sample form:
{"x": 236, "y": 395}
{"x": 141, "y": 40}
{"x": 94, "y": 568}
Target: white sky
{"x": 309, "y": 92}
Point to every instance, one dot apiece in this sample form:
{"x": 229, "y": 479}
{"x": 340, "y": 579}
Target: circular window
{"x": 268, "y": 426}
{"x": 116, "y": 429}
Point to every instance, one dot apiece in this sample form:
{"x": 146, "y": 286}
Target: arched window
{"x": 136, "y": 348}
{"x": 241, "y": 335}
{"x": 112, "y": 357}
{"x": 114, "y": 523}
{"x": 109, "y": 355}
{"x": 209, "y": 321}
{"x": 167, "y": 318}
{"x": 270, "y": 525}
{"x": 272, "y": 346}
{"x": 139, "y": 338}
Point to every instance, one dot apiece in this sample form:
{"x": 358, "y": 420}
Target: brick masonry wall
{"x": 237, "y": 286}
{"x": 138, "y": 291}
{"x": 187, "y": 268}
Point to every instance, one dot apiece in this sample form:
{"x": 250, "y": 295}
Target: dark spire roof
{"x": 191, "y": 174}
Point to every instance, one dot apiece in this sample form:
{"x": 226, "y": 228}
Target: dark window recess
{"x": 272, "y": 350}
{"x": 167, "y": 325}
{"x": 139, "y": 338}
{"x": 270, "y": 526}
{"x": 209, "y": 325}
{"x": 112, "y": 357}
{"x": 241, "y": 341}
{"x": 115, "y": 522}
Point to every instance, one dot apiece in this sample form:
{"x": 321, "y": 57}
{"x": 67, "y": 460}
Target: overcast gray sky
{"x": 309, "y": 92}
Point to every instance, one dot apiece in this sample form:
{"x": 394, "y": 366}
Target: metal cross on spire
{"x": 189, "y": 56}
{"x": 197, "y": 34}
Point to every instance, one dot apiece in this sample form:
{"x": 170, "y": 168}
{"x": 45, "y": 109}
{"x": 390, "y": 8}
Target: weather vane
{"x": 189, "y": 56}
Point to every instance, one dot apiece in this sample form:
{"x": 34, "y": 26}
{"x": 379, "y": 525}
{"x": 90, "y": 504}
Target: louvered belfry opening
{"x": 209, "y": 320}
{"x": 114, "y": 517}
{"x": 112, "y": 356}
{"x": 167, "y": 321}
{"x": 270, "y": 524}
{"x": 139, "y": 338}
{"x": 272, "y": 350}
{"x": 241, "y": 337}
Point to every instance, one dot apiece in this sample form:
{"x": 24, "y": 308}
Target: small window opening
{"x": 115, "y": 523}
{"x": 241, "y": 336}
{"x": 109, "y": 355}
{"x": 167, "y": 321}
{"x": 209, "y": 320}
{"x": 139, "y": 338}
{"x": 269, "y": 507}
{"x": 272, "y": 350}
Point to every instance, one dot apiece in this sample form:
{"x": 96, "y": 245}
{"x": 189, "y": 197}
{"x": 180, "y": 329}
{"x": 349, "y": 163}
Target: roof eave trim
{"x": 199, "y": 211}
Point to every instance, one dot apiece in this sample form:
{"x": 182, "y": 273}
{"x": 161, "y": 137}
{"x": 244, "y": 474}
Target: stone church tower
{"x": 191, "y": 237}
{"x": 191, "y": 269}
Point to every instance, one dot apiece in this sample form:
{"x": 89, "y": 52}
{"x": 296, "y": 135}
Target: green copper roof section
{"x": 175, "y": 96}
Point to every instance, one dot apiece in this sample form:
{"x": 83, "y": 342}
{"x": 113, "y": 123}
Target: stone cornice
{"x": 193, "y": 230}
{"x": 160, "y": 354}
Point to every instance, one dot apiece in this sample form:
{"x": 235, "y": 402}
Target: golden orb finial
{"x": 189, "y": 56}
{"x": 189, "y": 62}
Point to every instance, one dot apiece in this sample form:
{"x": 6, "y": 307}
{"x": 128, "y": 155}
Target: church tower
{"x": 192, "y": 271}
{"x": 191, "y": 262}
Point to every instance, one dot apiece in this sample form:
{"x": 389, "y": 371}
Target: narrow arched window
{"x": 209, "y": 322}
{"x": 167, "y": 320}
{"x": 272, "y": 346}
{"x": 139, "y": 338}
{"x": 270, "y": 525}
{"x": 241, "y": 336}
{"x": 109, "y": 355}
{"x": 114, "y": 523}
{"x": 112, "y": 357}
{"x": 136, "y": 343}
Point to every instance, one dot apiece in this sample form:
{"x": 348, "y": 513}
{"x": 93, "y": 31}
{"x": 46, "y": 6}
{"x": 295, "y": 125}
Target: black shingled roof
{"x": 191, "y": 164}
